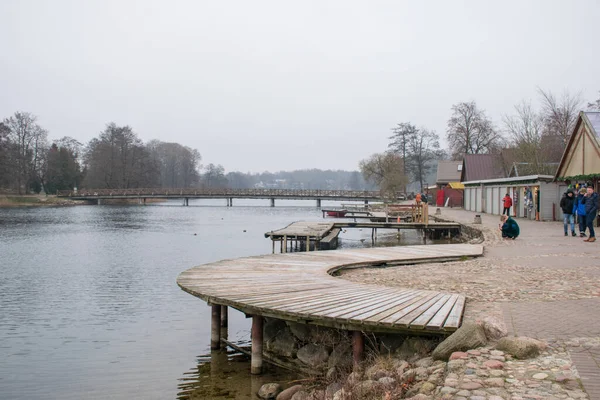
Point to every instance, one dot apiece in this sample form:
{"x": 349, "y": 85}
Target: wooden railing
{"x": 260, "y": 193}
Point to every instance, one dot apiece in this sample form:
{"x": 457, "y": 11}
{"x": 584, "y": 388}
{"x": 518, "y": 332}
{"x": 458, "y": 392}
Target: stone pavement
{"x": 574, "y": 322}
{"x": 543, "y": 284}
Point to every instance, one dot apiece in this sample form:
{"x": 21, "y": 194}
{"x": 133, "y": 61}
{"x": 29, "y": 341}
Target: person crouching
{"x": 509, "y": 227}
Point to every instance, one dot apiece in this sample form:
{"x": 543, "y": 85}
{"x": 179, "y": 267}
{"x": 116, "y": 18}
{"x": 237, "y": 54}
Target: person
{"x": 418, "y": 198}
{"x": 507, "y": 204}
{"x": 591, "y": 209}
{"x": 509, "y": 227}
{"x": 424, "y": 198}
{"x": 580, "y": 210}
{"x": 567, "y": 204}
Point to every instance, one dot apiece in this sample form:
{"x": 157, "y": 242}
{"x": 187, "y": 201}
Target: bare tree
{"x": 423, "y": 148}
{"x": 595, "y": 105}
{"x": 526, "y": 129}
{"x": 470, "y": 131}
{"x": 214, "y": 176}
{"x": 560, "y": 114}
{"x": 177, "y": 165}
{"x": 28, "y": 144}
{"x": 386, "y": 170}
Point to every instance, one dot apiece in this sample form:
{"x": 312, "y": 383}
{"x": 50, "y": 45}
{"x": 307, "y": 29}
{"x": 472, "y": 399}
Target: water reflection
{"x": 224, "y": 375}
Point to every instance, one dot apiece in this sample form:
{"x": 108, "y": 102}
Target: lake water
{"x": 89, "y": 306}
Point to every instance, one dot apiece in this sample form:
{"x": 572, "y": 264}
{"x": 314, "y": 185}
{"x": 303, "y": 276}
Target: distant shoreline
{"x": 37, "y": 200}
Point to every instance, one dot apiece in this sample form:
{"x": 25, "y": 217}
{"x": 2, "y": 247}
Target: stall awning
{"x": 456, "y": 185}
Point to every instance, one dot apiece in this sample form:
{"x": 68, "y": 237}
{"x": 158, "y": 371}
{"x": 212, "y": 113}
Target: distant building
{"x": 478, "y": 167}
{"x": 448, "y": 171}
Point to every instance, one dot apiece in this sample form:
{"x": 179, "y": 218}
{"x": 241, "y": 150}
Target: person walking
{"x": 580, "y": 210}
{"x": 567, "y": 204}
{"x": 591, "y": 209}
{"x": 507, "y": 204}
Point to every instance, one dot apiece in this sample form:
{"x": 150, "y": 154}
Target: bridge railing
{"x": 218, "y": 192}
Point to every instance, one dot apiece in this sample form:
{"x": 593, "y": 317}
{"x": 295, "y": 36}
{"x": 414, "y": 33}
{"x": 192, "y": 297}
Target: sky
{"x": 282, "y": 85}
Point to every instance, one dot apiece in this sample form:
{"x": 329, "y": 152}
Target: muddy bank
{"x": 37, "y": 201}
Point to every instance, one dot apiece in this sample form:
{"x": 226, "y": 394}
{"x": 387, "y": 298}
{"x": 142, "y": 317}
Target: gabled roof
{"x": 477, "y": 167}
{"x": 448, "y": 171}
{"x": 592, "y": 121}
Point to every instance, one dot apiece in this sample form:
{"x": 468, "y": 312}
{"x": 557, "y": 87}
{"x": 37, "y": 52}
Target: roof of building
{"x": 456, "y": 185}
{"x": 592, "y": 120}
{"x": 448, "y": 171}
{"x": 515, "y": 180}
{"x": 478, "y": 167}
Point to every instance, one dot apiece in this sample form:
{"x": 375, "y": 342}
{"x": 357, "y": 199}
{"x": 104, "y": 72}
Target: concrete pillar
{"x": 318, "y": 203}
{"x": 215, "y": 328}
{"x": 231, "y": 202}
{"x": 99, "y": 202}
{"x": 224, "y": 317}
{"x": 144, "y": 201}
{"x": 272, "y": 202}
{"x": 257, "y": 345}
{"x": 358, "y": 348}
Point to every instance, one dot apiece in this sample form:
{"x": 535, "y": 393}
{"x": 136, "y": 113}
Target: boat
{"x": 337, "y": 213}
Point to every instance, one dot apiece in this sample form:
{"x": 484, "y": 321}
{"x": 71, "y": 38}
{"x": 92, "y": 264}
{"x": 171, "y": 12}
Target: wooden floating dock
{"x": 300, "y": 287}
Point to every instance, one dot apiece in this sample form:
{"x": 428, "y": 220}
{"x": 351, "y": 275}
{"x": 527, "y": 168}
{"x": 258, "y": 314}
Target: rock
{"x": 284, "y": 344}
{"x": 494, "y": 382}
{"x": 332, "y": 374}
{"x": 427, "y": 388}
{"x": 375, "y": 372}
{"x": 540, "y": 376}
{"x": 457, "y": 355}
{"x": 269, "y": 391}
{"x": 424, "y": 362}
{"x": 401, "y": 366}
{"x": 471, "y": 385}
{"x": 414, "y": 346}
{"x": 455, "y": 365}
{"x": 494, "y": 329}
{"x": 301, "y": 331}
{"x": 289, "y": 393}
{"x": 354, "y": 378}
{"x": 301, "y": 395}
{"x": 366, "y": 387}
{"x": 468, "y": 336}
{"x": 341, "y": 356}
{"x": 386, "y": 380}
{"x": 272, "y": 327}
{"x": 313, "y": 355}
{"x": 493, "y": 364}
{"x": 341, "y": 395}
{"x": 390, "y": 343}
{"x": 332, "y": 388}
{"x": 521, "y": 347}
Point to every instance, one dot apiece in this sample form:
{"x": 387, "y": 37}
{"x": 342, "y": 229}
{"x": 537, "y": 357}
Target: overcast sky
{"x": 281, "y": 85}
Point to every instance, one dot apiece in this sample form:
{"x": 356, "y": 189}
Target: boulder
{"x": 341, "y": 356}
{"x": 332, "y": 388}
{"x": 272, "y": 327}
{"x": 269, "y": 391}
{"x": 313, "y": 355}
{"x": 301, "y": 395}
{"x": 390, "y": 343}
{"x": 284, "y": 344}
{"x": 288, "y": 393}
{"x": 494, "y": 329}
{"x": 468, "y": 336}
{"x": 521, "y": 347}
{"x": 414, "y": 347}
{"x": 301, "y": 331}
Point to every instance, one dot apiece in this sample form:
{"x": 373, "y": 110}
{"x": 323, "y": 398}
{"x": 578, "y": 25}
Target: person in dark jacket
{"x": 567, "y": 204}
{"x": 509, "y": 227}
{"x": 591, "y": 209}
{"x": 580, "y": 211}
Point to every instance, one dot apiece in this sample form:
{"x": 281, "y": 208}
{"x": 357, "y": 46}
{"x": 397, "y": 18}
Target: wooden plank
{"x": 380, "y": 308}
{"x": 437, "y": 321}
{"x": 417, "y": 311}
{"x": 455, "y": 317}
{"x": 349, "y": 312}
{"x": 421, "y": 321}
{"x": 392, "y": 314}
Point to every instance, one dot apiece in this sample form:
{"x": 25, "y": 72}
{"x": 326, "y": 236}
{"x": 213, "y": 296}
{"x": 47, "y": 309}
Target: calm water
{"x": 89, "y": 307}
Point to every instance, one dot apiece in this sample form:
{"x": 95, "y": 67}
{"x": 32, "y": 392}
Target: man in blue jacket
{"x": 591, "y": 209}
{"x": 580, "y": 210}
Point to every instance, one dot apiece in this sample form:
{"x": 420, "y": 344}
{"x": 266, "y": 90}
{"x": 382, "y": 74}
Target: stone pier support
{"x": 257, "y": 345}
{"x": 215, "y": 328}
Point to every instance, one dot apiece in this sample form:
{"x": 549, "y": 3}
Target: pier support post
{"x": 285, "y": 243}
{"x": 144, "y": 201}
{"x": 272, "y": 202}
{"x": 257, "y": 345}
{"x": 318, "y": 203}
{"x": 231, "y": 202}
{"x": 99, "y": 202}
{"x": 215, "y": 328}
{"x": 358, "y": 348}
{"x": 224, "y": 317}
{"x": 308, "y": 243}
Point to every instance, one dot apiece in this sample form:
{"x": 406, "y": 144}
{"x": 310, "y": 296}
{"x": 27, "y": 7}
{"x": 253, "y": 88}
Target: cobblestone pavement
{"x": 543, "y": 284}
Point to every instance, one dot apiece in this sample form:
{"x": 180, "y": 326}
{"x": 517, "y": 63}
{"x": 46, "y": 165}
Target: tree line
{"x": 117, "y": 158}
{"x": 533, "y": 136}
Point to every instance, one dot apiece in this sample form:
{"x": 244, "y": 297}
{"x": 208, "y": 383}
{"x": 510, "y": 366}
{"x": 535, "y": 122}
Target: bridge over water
{"x": 229, "y": 194}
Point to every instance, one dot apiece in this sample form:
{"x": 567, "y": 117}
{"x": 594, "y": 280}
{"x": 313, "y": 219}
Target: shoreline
{"x": 36, "y": 200}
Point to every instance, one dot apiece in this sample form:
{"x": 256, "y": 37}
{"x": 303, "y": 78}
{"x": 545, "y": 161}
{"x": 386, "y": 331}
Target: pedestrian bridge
{"x": 228, "y": 194}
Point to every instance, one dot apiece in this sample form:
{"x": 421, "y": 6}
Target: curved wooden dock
{"x": 300, "y": 287}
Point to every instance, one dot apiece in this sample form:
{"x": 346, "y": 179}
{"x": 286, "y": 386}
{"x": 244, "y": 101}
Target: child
{"x": 509, "y": 227}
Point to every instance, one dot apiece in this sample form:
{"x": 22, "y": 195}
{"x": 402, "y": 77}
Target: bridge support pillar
{"x": 144, "y": 201}
{"x": 257, "y": 345}
{"x": 318, "y": 203}
{"x": 231, "y": 202}
{"x": 358, "y": 348}
{"x": 272, "y": 202}
{"x": 366, "y": 203}
{"x": 224, "y": 322}
{"x": 186, "y": 201}
{"x": 215, "y": 328}
{"x": 99, "y": 202}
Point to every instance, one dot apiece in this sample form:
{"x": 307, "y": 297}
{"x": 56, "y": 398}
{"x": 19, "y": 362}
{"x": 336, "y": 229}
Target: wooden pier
{"x": 307, "y": 236}
{"x": 300, "y": 287}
